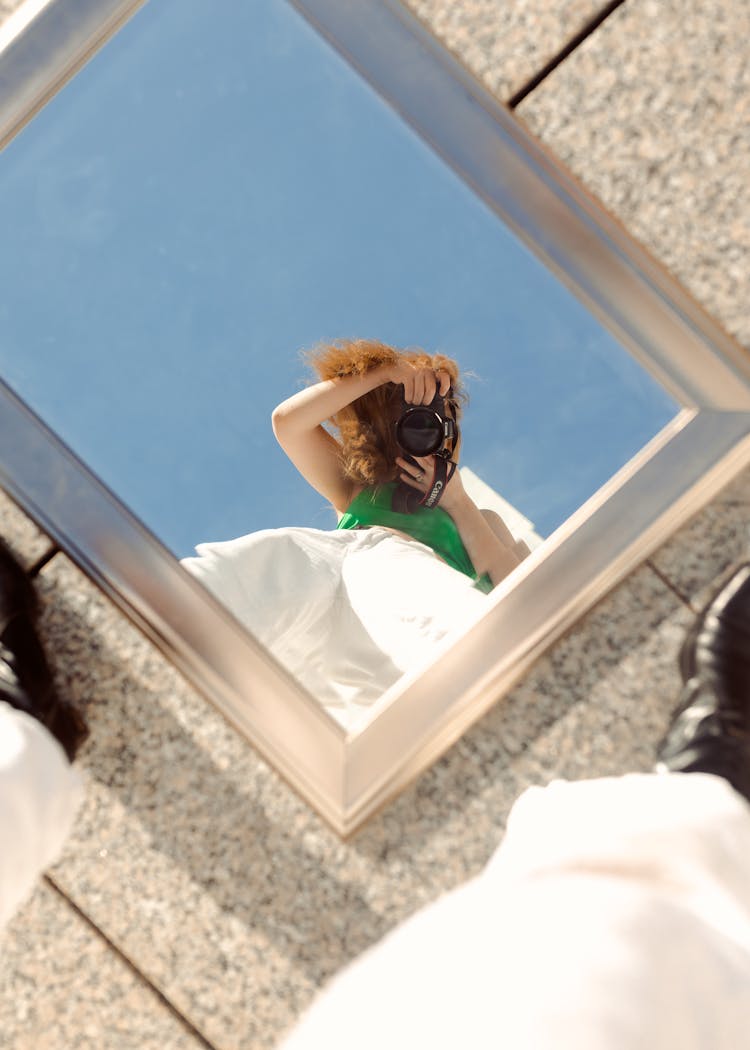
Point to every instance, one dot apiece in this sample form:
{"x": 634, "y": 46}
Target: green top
{"x": 435, "y": 528}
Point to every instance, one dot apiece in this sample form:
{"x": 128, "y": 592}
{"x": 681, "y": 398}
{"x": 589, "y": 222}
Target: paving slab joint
{"x": 672, "y": 586}
{"x": 575, "y": 41}
{"x": 36, "y": 567}
{"x": 99, "y": 933}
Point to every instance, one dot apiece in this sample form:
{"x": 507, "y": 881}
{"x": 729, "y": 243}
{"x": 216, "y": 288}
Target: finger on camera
{"x": 421, "y": 463}
{"x": 418, "y": 389}
{"x": 430, "y": 388}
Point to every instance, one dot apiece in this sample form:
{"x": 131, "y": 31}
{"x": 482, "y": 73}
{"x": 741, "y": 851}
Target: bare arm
{"x": 504, "y": 534}
{"x": 488, "y": 551}
{"x": 298, "y": 422}
{"x": 489, "y": 543}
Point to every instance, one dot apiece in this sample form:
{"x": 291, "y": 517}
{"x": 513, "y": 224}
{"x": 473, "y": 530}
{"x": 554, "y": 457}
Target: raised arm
{"x": 298, "y": 422}
{"x": 490, "y": 551}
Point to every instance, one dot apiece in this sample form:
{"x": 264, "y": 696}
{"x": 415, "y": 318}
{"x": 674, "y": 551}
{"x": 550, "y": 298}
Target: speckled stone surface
{"x": 25, "y": 540}
{"x": 709, "y": 545}
{"x": 652, "y": 112}
{"x": 61, "y": 986}
{"x": 228, "y": 893}
{"x": 505, "y": 44}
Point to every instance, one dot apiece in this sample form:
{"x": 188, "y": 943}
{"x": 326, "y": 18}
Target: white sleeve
{"x": 614, "y": 916}
{"x": 39, "y": 795}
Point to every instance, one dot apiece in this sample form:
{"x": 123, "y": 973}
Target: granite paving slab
{"x": 505, "y": 44}
{"x": 62, "y": 986}
{"x": 709, "y": 545}
{"x": 26, "y": 541}
{"x": 652, "y": 113}
{"x": 224, "y": 889}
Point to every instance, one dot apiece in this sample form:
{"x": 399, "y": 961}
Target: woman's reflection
{"x": 351, "y": 610}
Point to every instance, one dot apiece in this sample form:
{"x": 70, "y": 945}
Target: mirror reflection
{"x": 212, "y": 195}
{"x": 350, "y": 611}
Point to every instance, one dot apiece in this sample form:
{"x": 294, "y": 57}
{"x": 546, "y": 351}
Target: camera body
{"x": 426, "y": 430}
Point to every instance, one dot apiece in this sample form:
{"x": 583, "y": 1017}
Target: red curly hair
{"x": 366, "y": 426}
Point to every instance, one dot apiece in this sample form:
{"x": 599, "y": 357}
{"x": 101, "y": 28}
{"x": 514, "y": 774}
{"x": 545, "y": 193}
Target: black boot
{"x": 25, "y": 677}
{"x": 710, "y": 731}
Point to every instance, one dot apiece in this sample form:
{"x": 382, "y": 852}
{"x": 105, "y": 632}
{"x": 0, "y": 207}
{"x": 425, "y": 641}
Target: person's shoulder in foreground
{"x": 614, "y": 916}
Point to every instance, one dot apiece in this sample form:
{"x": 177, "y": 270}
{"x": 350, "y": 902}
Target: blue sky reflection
{"x": 212, "y": 194}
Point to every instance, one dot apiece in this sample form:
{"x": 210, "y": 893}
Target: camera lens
{"x": 420, "y": 431}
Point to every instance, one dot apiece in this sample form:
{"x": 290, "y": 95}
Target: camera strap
{"x": 442, "y": 473}
{"x": 407, "y": 499}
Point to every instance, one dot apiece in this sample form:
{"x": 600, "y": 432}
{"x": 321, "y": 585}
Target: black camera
{"x": 427, "y": 430}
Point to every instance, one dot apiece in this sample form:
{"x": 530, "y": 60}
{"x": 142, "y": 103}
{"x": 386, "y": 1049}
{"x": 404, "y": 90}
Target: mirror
{"x": 210, "y": 195}
{"x": 245, "y": 195}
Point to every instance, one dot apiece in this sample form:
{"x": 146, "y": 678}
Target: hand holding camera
{"x": 427, "y": 433}
{"x": 420, "y": 384}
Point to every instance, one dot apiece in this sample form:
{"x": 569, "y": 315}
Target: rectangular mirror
{"x": 193, "y": 194}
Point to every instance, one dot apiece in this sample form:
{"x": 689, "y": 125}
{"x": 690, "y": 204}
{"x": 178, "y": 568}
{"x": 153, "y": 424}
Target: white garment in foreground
{"x": 39, "y": 795}
{"x": 614, "y": 916}
{"x": 346, "y": 611}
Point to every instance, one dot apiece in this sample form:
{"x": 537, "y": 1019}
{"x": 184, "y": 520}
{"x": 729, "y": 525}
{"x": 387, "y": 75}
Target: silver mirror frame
{"x": 347, "y": 777}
